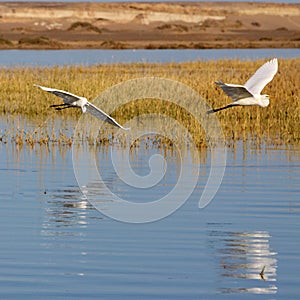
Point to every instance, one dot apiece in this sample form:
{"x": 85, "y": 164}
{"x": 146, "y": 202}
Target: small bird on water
{"x": 71, "y": 100}
{"x": 249, "y": 93}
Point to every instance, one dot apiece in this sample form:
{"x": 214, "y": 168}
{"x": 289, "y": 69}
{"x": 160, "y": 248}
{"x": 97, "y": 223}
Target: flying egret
{"x": 71, "y": 100}
{"x": 249, "y": 94}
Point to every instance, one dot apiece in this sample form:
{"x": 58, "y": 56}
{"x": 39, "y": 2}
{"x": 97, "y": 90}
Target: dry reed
{"x": 277, "y": 124}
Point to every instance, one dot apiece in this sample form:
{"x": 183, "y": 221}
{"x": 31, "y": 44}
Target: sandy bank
{"x": 144, "y": 25}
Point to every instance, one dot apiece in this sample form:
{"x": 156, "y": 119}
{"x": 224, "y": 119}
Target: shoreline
{"x": 180, "y": 25}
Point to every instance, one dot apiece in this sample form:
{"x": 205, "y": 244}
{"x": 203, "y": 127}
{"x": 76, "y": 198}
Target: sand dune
{"x": 145, "y": 25}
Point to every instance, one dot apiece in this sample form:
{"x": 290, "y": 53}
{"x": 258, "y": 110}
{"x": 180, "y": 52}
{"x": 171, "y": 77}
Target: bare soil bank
{"x": 52, "y": 25}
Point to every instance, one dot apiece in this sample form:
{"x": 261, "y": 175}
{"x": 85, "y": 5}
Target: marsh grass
{"x": 277, "y": 124}
{"x": 84, "y": 25}
{"x": 39, "y": 41}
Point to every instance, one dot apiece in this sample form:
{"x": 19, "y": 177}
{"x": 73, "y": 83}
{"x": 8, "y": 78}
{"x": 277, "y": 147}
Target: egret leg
{"x": 58, "y": 105}
{"x": 221, "y": 108}
{"x": 64, "y": 107}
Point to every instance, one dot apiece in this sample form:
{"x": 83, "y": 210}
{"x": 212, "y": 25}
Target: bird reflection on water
{"x": 66, "y": 209}
{"x": 247, "y": 258}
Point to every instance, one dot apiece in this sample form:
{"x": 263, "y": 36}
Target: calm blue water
{"x": 88, "y": 57}
{"x": 54, "y": 245}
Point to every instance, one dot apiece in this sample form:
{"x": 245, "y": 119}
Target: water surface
{"x": 11, "y": 58}
{"x": 54, "y": 245}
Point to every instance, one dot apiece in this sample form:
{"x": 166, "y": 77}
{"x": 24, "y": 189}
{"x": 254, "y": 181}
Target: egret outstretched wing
{"x": 262, "y": 76}
{"x": 71, "y": 100}
{"x": 235, "y": 91}
{"x": 101, "y": 115}
{"x": 66, "y": 96}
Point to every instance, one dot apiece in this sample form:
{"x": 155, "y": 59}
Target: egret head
{"x": 82, "y": 103}
{"x": 265, "y": 100}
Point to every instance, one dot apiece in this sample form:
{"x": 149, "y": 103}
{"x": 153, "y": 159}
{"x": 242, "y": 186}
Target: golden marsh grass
{"x": 279, "y": 123}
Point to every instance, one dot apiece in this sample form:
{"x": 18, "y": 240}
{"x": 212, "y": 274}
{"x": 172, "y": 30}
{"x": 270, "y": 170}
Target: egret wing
{"x": 234, "y": 91}
{"x": 66, "y": 96}
{"x": 262, "y": 76}
{"x": 101, "y": 115}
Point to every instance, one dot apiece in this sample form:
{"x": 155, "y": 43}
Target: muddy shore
{"x": 52, "y": 25}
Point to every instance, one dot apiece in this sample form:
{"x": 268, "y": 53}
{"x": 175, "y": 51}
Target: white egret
{"x": 71, "y": 100}
{"x": 249, "y": 94}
